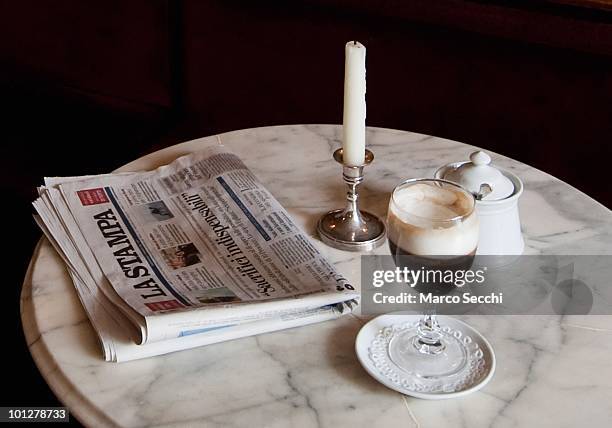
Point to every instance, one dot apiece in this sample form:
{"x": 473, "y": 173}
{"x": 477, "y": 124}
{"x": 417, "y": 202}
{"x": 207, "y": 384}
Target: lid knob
{"x": 480, "y": 158}
{"x": 486, "y": 182}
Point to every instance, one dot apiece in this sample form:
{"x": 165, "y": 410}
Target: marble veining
{"x": 552, "y": 371}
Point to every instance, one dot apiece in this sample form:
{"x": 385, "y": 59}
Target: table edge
{"x": 45, "y": 362}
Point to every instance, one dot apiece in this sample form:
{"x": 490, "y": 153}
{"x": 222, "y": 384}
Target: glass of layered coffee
{"x": 433, "y": 228}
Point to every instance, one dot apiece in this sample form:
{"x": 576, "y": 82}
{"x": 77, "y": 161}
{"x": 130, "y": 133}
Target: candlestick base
{"x": 350, "y": 228}
{"x": 337, "y": 229}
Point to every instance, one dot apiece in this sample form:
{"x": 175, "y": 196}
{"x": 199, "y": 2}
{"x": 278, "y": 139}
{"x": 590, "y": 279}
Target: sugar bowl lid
{"x": 479, "y": 177}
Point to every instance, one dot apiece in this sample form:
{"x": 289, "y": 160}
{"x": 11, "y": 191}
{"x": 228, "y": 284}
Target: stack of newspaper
{"x": 193, "y": 253}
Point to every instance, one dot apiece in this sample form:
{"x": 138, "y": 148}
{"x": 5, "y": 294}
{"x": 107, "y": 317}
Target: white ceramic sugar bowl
{"x": 497, "y": 192}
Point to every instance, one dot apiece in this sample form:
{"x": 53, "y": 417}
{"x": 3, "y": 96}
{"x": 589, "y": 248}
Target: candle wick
{"x": 355, "y": 42}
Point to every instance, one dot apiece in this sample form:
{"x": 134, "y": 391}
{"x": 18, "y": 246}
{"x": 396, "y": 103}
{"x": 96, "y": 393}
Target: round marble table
{"x": 552, "y": 371}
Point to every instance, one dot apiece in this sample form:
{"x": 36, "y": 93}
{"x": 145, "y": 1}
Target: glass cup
{"x": 432, "y": 226}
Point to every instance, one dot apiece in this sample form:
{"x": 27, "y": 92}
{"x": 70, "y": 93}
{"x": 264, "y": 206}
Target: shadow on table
{"x": 340, "y": 350}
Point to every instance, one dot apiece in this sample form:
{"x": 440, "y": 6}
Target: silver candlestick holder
{"x": 350, "y": 228}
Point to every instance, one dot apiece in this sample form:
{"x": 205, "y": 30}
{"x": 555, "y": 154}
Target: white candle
{"x": 353, "y": 138}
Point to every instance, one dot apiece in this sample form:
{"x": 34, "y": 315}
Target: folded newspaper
{"x": 193, "y": 253}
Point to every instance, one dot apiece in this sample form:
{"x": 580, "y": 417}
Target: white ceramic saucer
{"x": 371, "y": 346}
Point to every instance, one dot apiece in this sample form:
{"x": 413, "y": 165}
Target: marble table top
{"x": 552, "y": 371}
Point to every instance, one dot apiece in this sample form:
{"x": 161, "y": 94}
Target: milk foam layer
{"x": 419, "y": 221}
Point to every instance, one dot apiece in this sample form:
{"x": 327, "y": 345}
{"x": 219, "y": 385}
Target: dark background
{"x": 87, "y": 86}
